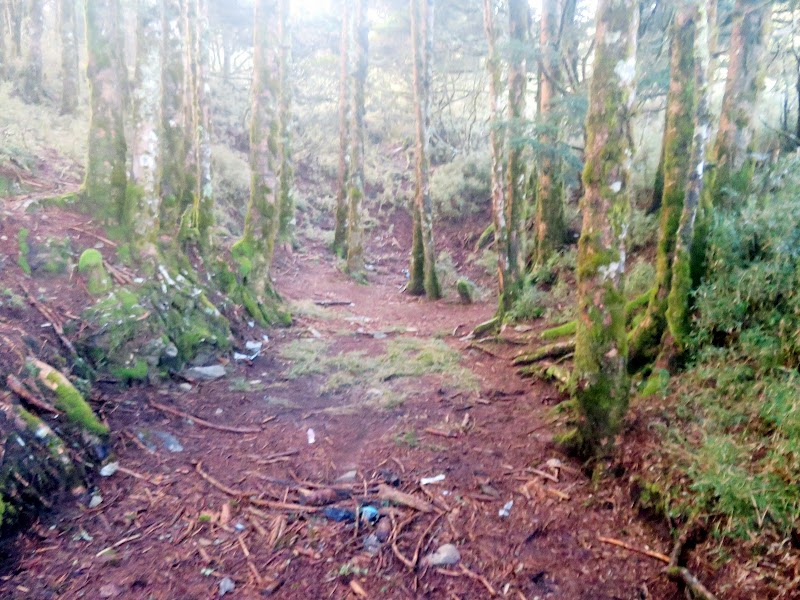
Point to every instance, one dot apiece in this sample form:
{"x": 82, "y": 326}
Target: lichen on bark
{"x": 600, "y": 375}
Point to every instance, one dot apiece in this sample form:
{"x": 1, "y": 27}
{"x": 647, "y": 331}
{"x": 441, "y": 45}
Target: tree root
{"x": 560, "y": 331}
{"x": 547, "y": 372}
{"x": 554, "y": 350}
{"x": 682, "y": 575}
{"x": 490, "y": 326}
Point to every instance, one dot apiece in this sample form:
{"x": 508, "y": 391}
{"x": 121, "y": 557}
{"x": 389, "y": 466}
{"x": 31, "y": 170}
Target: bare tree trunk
{"x": 518, "y": 16}
{"x": 423, "y": 277}
{"x": 355, "y": 189}
{"x": 505, "y": 278}
{"x": 69, "y": 58}
{"x": 32, "y": 80}
{"x": 549, "y": 225}
{"x": 172, "y": 169}
{"x": 106, "y": 179}
{"x": 746, "y": 64}
{"x": 3, "y": 55}
{"x": 285, "y": 170}
{"x": 16, "y": 13}
{"x": 340, "y": 232}
{"x": 678, "y": 302}
{"x": 645, "y": 340}
{"x": 255, "y": 250}
{"x": 600, "y": 375}
{"x": 146, "y": 125}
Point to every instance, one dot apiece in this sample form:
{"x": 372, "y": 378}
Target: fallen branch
{"x": 51, "y": 318}
{"x": 619, "y": 543}
{"x": 203, "y": 423}
{"x": 549, "y": 351}
{"x": 490, "y": 326}
{"x": 96, "y": 236}
{"x": 16, "y": 386}
{"x": 119, "y": 276}
{"x": 480, "y": 579}
{"x": 481, "y": 348}
{"x": 333, "y": 303}
{"x": 392, "y": 495}
{"x": 685, "y": 576}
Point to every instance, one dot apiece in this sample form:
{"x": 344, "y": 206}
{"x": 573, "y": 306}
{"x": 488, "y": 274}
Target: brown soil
{"x": 163, "y": 531}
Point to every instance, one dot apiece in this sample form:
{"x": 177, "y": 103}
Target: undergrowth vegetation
{"x": 734, "y": 413}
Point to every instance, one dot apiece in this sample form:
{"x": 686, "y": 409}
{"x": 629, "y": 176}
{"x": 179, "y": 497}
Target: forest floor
{"x": 369, "y": 391}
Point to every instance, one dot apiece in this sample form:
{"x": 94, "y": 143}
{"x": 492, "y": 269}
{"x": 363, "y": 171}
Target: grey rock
{"x": 226, "y": 585}
{"x": 209, "y": 373}
{"x": 447, "y": 554}
{"x": 185, "y": 387}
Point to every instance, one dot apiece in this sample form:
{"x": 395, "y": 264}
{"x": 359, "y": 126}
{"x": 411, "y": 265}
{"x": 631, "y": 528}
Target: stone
{"x": 445, "y": 555}
{"x": 209, "y": 373}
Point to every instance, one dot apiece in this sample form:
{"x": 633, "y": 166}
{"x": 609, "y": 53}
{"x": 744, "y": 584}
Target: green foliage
{"x": 642, "y": 229}
{"x": 530, "y": 304}
{"x": 462, "y": 186}
{"x": 69, "y": 400}
{"x": 736, "y": 444}
{"x": 135, "y": 372}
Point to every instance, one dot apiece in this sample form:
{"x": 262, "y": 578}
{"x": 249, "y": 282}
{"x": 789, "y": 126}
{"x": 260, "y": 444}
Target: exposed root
{"x": 203, "y": 423}
{"x": 547, "y": 372}
{"x": 550, "y": 351}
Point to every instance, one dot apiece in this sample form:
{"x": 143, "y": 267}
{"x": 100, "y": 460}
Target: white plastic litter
{"x": 505, "y": 512}
{"x": 429, "y": 480}
{"x": 312, "y": 437}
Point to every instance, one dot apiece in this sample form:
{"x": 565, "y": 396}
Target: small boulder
{"x": 209, "y": 373}
{"x": 91, "y": 265}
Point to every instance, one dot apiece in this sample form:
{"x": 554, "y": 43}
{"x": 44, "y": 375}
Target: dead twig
{"x": 685, "y": 576}
{"x": 16, "y": 386}
{"x": 95, "y": 235}
{"x": 51, "y": 318}
{"x": 620, "y": 544}
{"x": 202, "y": 422}
{"x": 392, "y": 495}
{"x": 333, "y": 303}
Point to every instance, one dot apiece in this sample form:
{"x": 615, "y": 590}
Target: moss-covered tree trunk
{"x": 601, "y": 350}
{"x": 747, "y": 61}
{"x": 678, "y": 301}
{"x": 105, "y": 181}
{"x": 285, "y": 169}
{"x": 343, "y": 175}
{"x": 69, "y": 57}
{"x": 201, "y": 218}
{"x": 172, "y": 167}
{"x": 423, "y": 279}
{"x": 549, "y": 228}
{"x": 505, "y": 278}
{"x": 518, "y": 17}
{"x": 146, "y": 127}
{"x": 645, "y": 340}
{"x": 355, "y": 188}
{"x": 32, "y": 77}
{"x": 255, "y": 250}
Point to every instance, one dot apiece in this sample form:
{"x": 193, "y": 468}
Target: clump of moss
{"x": 91, "y": 264}
{"x": 69, "y": 400}
{"x": 466, "y": 290}
{"x": 136, "y": 372}
{"x": 24, "y": 250}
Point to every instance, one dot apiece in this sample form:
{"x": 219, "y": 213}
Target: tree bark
{"x": 146, "y": 124}
{"x": 32, "y": 80}
{"x": 601, "y": 381}
{"x": 106, "y": 179}
{"x": 746, "y": 66}
{"x": 518, "y": 17}
{"x": 505, "y": 278}
{"x": 16, "y": 12}
{"x": 285, "y": 169}
{"x": 172, "y": 168}
{"x": 549, "y": 224}
{"x": 645, "y": 340}
{"x": 69, "y": 58}
{"x": 256, "y": 248}
{"x": 678, "y": 302}
{"x": 340, "y": 232}
{"x": 202, "y": 217}
{"x": 423, "y": 277}
{"x": 355, "y": 189}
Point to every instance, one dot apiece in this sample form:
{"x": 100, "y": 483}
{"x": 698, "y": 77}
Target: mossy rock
{"x": 49, "y": 257}
{"x": 140, "y": 326}
{"x": 91, "y": 264}
{"x": 466, "y": 290}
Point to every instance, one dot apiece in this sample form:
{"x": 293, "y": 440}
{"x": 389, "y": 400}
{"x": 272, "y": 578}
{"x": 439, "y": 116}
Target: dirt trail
{"x": 389, "y": 393}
